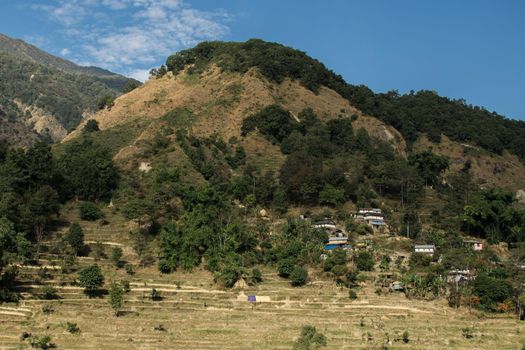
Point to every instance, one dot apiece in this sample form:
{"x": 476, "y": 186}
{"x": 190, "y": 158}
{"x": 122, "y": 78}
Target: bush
{"x": 309, "y": 339}
{"x": 116, "y": 297}
{"x": 72, "y": 328}
{"x": 352, "y": 294}
{"x": 91, "y": 278}
{"x": 75, "y": 238}
{"x": 285, "y": 267}
{"x": 91, "y": 126}
{"x": 41, "y": 342}
{"x": 155, "y": 295}
{"x": 49, "y": 293}
{"x": 116, "y": 255}
{"x": 89, "y": 211}
{"x": 256, "y": 276}
{"x": 129, "y": 269}
{"x": 299, "y": 276}
{"x": 406, "y": 337}
{"x": 365, "y": 261}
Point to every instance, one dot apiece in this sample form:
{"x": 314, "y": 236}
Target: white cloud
{"x": 65, "y": 51}
{"x": 132, "y": 34}
{"x": 139, "y": 74}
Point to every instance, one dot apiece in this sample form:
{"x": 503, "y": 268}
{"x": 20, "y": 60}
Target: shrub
{"x": 91, "y": 278}
{"x": 91, "y": 126}
{"x": 256, "y": 276}
{"x": 285, "y": 267}
{"x": 41, "y": 342}
{"x": 72, "y": 327}
{"x": 129, "y": 269}
{"x": 98, "y": 250}
{"x": 89, "y": 211}
{"x": 125, "y": 286}
{"x": 299, "y": 276}
{"x": 48, "y": 292}
{"x": 75, "y": 238}
{"x": 309, "y": 339}
{"x": 155, "y": 295}
{"x": 365, "y": 261}
{"x": 352, "y": 294}
{"x": 116, "y": 255}
{"x": 406, "y": 337}
{"x": 116, "y": 297}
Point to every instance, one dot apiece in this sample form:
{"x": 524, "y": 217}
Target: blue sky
{"x": 472, "y": 49}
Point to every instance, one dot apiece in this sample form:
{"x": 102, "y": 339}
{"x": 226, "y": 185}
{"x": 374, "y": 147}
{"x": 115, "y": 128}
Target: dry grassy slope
{"x": 504, "y": 170}
{"x": 220, "y": 101}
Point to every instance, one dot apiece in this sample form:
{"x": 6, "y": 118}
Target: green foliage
{"x": 91, "y": 126}
{"x": 155, "y": 295}
{"x": 256, "y": 276}
{"x": 406, "y": 337}
{"x": 116, "y": 255}
{"x": 364, "y": 261}
{"x": 89, "y": 211}
{"x": 91, "y": 279}
{"x": 310, "y": 339}
{"x": 299, "y": 276}
{"x": 88, "y": 170}
{"x": 491, "y": 215}
{"x": 49, "y": 292}
{"x": 429, "y": 165}
{"x": 116, "y": 297}
{"x": 286, "y": 267}
{"x": 42, "y": 342}
{"x": 352, "y": 294}
{"x": 72, "y": 327}
{"x": 274, "y": 122}
{"x": 106, "y": 101}
{"x": 491, "y": 290}
{"x": 75, "y": 238}
{"x": 419, "y": 260}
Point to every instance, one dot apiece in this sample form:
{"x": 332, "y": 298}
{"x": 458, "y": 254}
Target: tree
{"x": 106, "y": 101}
{"x": 75, "y": 238}
{"x": 91, "y": 126}
{"x": 365, "y": 261}
{"x": 88, "y": 170}
{"x": 429, "y": 165}
{"x": 155, "y": 295}
{"x": 116, "y": 255}
{"x": 331, "y": 195}
{"x": 116, "y": 297}
{"x": 299, "y": 276}
{"x": 256, "y": 276}
{"x": 91, "y": 278}
{"x": 310, "y": 339}
{"x": 89, "y": 211}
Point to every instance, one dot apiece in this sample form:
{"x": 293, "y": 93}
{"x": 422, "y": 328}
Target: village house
{"x": 326, "y": 224}
{"x": 425, "y": 249}
{"x": 475, "y": 245}
{"x": 337, "y": 242}
{"x": 372, "y": 217}
{"x": 459, "y": 276}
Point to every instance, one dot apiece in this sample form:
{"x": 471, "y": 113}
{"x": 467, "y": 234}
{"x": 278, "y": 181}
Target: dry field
{"x": 196, "y": 314}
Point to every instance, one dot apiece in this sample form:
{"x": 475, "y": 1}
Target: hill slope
{"x": 223, "y": 83}
{"x": 43, "y": 96}
{"x": 28, "y": 52}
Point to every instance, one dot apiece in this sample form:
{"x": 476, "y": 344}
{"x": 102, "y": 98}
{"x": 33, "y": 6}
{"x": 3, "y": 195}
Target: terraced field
{"x": 195, "y": 314}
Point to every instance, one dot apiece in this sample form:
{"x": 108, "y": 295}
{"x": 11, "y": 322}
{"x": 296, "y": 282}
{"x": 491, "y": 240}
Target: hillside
{"x": 242, "y": 171}
{"x": 28, "y": 52}
{"x": 44, "y": 97}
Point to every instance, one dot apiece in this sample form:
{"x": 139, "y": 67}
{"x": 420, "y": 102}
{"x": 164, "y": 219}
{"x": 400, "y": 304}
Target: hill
{"x": 28, "y": 52}
{"x": 235, "y": 174}
{"x": 44, "y": 97}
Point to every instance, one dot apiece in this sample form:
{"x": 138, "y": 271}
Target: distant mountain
{"x": 43, "y": 96}
{"x": 28, "y": 52}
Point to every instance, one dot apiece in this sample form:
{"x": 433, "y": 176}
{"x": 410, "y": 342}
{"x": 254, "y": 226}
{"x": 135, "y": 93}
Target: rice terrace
{"x": 170, "y": 181}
